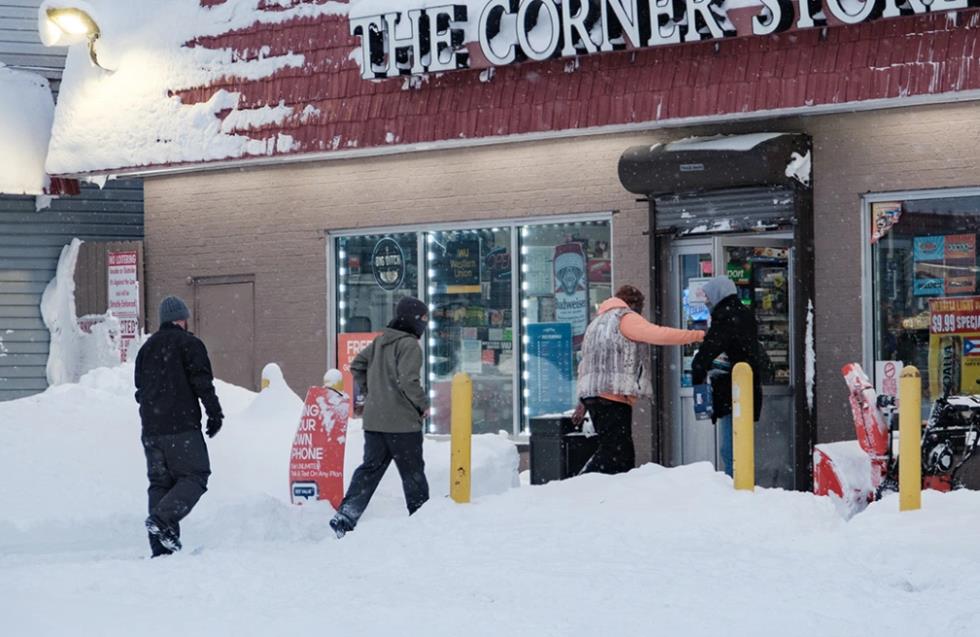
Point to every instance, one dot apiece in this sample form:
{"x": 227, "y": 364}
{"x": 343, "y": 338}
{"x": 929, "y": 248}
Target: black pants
{"x": 613, "y": 422}
{"x": 178, "y": 468}
{"x": 379, "y": 450}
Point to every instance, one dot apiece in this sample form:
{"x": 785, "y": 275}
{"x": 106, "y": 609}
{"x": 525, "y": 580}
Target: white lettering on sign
{"x": 419, "y": 40}
{"x": 124, "y": 295}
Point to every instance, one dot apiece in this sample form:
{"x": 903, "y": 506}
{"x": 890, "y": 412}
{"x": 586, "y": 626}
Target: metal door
{"x": 224, "y": 318}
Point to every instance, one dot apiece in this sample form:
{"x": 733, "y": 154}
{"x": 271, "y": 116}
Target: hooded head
{"x": 173, "y": 309}
{"x": 718, "y": 289}
{"x": 411, "y": 315}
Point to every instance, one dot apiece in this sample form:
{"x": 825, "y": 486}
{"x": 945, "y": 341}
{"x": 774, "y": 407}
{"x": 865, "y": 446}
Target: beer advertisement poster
{"x": 954, "y": 346}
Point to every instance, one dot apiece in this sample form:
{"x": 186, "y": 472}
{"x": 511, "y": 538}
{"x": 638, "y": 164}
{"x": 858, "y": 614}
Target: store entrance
{"x": 761, "y": 266}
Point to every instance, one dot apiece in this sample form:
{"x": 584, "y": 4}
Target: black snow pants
{"x": 178, "y": 467}
{"x": 379, "y": 450}
{"x": 613, "y": 421}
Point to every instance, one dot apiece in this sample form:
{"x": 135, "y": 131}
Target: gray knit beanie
{"x": 173, "y": 309}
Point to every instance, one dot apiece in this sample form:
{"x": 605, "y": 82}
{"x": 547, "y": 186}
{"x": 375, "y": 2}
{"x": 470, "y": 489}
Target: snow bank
{"x": 92, "y": 429}
{"x": 74, "y": 352}
{"x": 132, "y": 116}
{"x": 26, "y": 113}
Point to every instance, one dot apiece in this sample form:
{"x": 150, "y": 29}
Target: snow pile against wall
{"x": 26, "y": 114}
{"x": 72, "y": 351}
{"x": 132, "y": 115}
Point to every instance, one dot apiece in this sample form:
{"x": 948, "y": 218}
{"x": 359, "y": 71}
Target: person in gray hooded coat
{"x": 388, "y": 371}
{"x": 732, "y": 338}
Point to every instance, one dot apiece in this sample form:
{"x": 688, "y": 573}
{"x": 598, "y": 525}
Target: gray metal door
{"x": 224, "y": 318}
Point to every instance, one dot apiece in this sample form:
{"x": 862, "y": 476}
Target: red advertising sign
{"x": 316, "y": 464}
{"x": 955, "y": 315}
{"x": 348, "y": 347}
{"x": 124, "y": 296}
{"x": 961, "y": 261}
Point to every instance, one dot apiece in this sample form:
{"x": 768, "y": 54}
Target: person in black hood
{"x": 389, "y": 373}
{"x": 173, "y": 378}
{"x": 732, "y": 338}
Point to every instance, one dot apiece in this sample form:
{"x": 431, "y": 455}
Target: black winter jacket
{"x": 734, "y": 332}
{"x": 173, "y": 372}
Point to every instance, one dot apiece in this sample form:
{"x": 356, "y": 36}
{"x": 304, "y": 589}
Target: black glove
{"x": 214, "y": 425}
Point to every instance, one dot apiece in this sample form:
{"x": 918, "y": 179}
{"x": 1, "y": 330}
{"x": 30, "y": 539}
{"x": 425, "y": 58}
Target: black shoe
{"x": 164, "y": 534}
{"x": 341, "y": 525}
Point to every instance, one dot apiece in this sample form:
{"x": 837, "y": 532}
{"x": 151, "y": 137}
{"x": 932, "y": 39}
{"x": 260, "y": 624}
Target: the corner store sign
{"x": 418, "y": 40}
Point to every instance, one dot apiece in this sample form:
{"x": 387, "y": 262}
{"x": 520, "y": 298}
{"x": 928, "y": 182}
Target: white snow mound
{"x": 654, "y": 551}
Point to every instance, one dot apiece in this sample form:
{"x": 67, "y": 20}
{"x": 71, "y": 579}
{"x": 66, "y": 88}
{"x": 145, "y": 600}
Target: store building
{"x": 514, "y": 180}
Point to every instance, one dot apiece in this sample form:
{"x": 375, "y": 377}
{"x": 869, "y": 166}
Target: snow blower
{"x": 950, "y": 438}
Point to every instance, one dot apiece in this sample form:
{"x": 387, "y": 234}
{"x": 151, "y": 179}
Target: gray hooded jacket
{"x": 389, "y": 373}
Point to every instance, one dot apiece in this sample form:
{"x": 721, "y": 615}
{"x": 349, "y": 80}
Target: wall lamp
{"x": 69, "y": 25}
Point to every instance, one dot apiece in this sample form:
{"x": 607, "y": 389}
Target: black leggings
{"x": 613, "y": 422}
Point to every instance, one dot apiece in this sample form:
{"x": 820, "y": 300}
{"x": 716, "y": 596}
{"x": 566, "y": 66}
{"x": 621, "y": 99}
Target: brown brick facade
{"x": 270, "y": 222}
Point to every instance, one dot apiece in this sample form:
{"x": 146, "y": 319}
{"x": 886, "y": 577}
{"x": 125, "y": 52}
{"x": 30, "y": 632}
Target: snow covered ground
{"x": 655, "y": 552}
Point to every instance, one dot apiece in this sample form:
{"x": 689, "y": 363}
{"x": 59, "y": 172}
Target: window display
{"x": 471, "y": 324}
{"x": 473, "y": 279}
{"x": 926, "y": 300}
{"x": 566, "y": 274}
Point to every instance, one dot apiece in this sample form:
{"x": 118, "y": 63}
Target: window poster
{"x": 538, "y": 277}
{"x": 884, "y": 215}
{"x": 388, "y": 263}
{"x": 961, "y": 262}
{"x": 954, "y": 346}
{"x": 928, "y": 256}
{"x": 550, "y": 369}
{"x": 571, "y": 288}
{"x": 463, "y": 256}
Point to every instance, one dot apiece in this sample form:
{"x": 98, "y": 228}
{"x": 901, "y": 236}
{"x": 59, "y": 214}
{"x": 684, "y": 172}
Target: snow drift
{"x": 654, "y": 551}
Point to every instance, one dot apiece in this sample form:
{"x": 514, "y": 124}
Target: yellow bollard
{"x": 462, "y": 438}
{"x": 743, "y": 417}
{"x": 910, "y": 440}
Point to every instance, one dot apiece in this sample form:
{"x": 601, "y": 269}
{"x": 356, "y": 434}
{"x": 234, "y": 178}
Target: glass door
{"x": 692, "y": 265}
{"x": 762, "y": 270}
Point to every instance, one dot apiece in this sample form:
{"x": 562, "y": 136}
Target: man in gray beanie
{"x": 173, "y": 378}
{"x": 732, "y": 338}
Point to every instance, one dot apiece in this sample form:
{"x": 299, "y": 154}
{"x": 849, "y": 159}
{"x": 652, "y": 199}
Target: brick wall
{"x": 270, "y": 222}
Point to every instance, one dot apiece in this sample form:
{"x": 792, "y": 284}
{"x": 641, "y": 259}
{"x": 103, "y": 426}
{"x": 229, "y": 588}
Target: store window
{"x": 482, "y": 285}
{"x": 566, "y": 274}
{"x": 374, "y": 272}
{"x": 926, "y": 302}
{"x": 472, "y": 324}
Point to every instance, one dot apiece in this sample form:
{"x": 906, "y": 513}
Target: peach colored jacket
{"x": 638, "y": 329}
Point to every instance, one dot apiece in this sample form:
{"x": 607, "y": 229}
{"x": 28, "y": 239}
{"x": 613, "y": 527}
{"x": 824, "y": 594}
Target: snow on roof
{"x": 26, "y": 112}
{"x": 132, "y": 114}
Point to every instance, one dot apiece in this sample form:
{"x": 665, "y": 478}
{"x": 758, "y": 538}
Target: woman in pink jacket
{"x": 613, "y": 374}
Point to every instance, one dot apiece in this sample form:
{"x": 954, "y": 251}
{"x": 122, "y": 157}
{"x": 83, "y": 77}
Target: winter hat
{"x": 718, "y": 289}
{"x": 408, "y": 316}
{"x": 173, "y": 309}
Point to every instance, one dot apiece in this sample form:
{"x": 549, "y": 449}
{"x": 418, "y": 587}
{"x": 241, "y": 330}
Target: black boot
{"x": 164, "y": 534}
{"x": 341, "y": 525}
